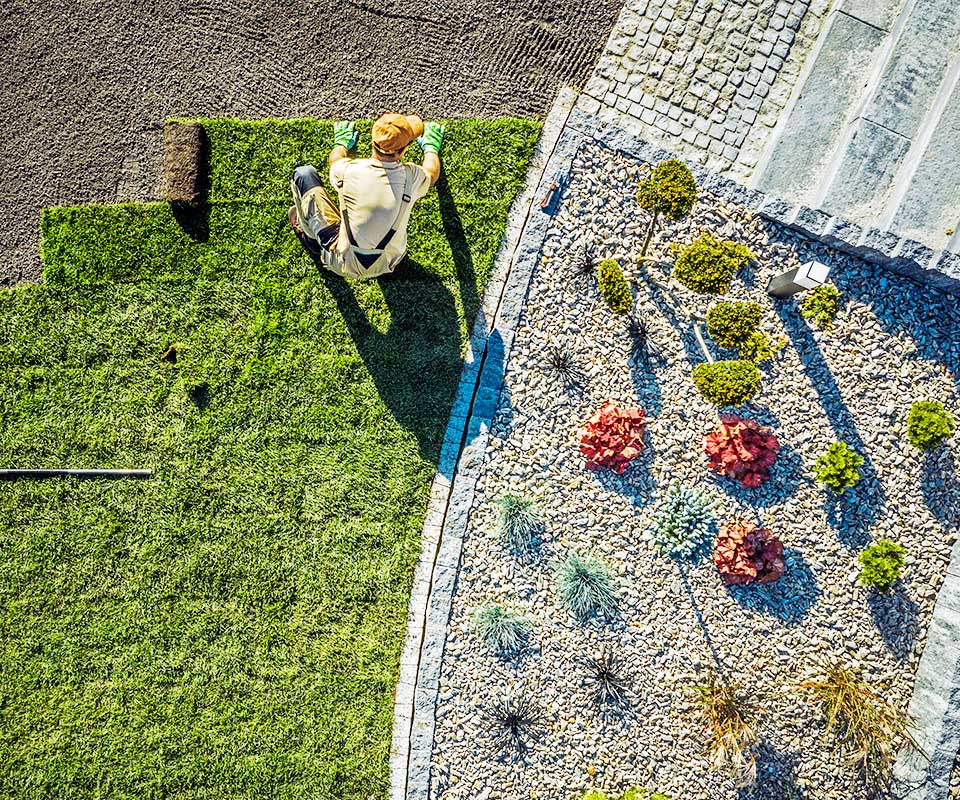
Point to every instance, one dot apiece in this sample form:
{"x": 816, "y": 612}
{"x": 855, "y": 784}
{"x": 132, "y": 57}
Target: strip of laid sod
{"x": 232, "y": 627}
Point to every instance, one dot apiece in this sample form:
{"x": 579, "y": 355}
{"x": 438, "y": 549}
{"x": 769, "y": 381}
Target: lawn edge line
{"x": 465, "y": 440}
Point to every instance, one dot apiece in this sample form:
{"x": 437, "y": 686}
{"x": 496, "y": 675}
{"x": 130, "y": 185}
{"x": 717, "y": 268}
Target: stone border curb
{"x": 461, "y": 456}
{"x": 890, "y": 251}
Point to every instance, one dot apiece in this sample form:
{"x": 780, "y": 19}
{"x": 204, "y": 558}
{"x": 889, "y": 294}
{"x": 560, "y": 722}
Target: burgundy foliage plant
{"x": 742, "y": 450}
{"x": 748, "y": 554}
{"x": 613, "y": 437}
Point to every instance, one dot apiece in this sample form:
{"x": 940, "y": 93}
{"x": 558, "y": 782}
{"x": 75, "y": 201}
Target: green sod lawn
{"x": 231, "y": 627}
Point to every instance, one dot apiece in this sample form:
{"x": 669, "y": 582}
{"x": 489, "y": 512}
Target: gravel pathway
{"x": 893, "y": 342}
{"x": 93, "y": 81}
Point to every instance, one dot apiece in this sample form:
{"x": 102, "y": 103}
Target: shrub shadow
{"x": 850, "y": 518}
{"x": 897, "y": 617}
{"x": 193, "y": 219}
{"x": 776, "y": 777}
{"x": 788, "y": 599}
{"x": 940, "y": 486}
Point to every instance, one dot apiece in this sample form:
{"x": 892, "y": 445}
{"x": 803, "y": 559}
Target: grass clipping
{"x": 868, "y": 729}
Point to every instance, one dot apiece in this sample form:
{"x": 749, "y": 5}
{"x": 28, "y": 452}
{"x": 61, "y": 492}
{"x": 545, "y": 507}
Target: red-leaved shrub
{"x": 613, "y": 437}
{"x": 741, "y": 449}
{"x": 748, "y": 554}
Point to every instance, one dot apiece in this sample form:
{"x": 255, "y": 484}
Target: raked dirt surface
{"x": 86, "y": 85}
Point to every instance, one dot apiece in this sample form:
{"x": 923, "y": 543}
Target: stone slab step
{"x": 831, "y": 95}
{"x": 930, "y": 207}
{"x": 897, "y": 114}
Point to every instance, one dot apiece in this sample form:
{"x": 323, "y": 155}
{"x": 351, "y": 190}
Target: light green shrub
{"x": 730, "y": 324}
{"x": 820, "y": 305}
{"x": 727, "y": 383}
{"x": 708, "y": 264}
{"x": 839, "y": 467}
{"x": 614, "y": 286}
{"x": 928, "y": 424}
{"x": 882, "y": 564}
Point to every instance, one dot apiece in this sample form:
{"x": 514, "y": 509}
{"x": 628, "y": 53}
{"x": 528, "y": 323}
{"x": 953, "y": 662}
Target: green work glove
{"x": 432, "y": 138}
{"x": 345, "y": 134}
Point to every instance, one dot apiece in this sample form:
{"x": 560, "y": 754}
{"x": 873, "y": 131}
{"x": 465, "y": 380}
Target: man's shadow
{"x": 416, "y": 362}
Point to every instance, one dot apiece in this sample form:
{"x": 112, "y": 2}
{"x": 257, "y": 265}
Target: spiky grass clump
{"x": 581, "y": 260}
{"x": 681, "y": 526}
{"x": 585, "y": 586}
{"x": 730, "y": 719}
{"x": 605, "y": 679}
{"x": 867, "y": 728}
{"x": 562, "y": 365}
{"x": 521, "y": 522}
{"x": 514, "y": 722}
{"x": 502, "y": 629}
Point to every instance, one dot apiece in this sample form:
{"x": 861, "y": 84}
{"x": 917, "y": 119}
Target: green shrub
{"x": 502, "y": 629}
{"x": 635, "y": 793}
{"x": 670, "y": 190}
{"x": 727, "y": 383}
{"x": 928, "y": 424}
{"x": 681, "y": 526}
{"x": 614, "y": 286}
{"x": 708, "y": 264}
{"x": 882, "y": 563}
{"x": 585, "y": 586}
{"x": 520, "y": 522}
{"x": 730, "y": 324}
{"x": 821, "y": 304}
{"x": 758, "y": 348}
{"x": 839, "y": 467}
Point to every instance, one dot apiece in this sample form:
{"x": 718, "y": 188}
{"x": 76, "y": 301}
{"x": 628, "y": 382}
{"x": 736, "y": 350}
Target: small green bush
{"x": 820, "y": 305}
{"x": 502, "y": 629}
{"x": 928, "y": 424}
{"x": 730, "y": 324}
{"x": 681, "y": 526}
{"x": 839, "y": 467}
{"x": 635, "y": 793}
{"x": 882, "y": 563}
{"x": 614, "y": 286}
{"x": 520, "y": 522}
{"x": 758, "y": 348}
{"x": 670, "y": 190}
{"x": 727, "y": 383}
{"x": 708, "y": 264}
{"x": 585, "y": 586}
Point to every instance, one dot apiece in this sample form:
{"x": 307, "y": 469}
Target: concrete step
{"x": 925, "y": 42}
{"x": 831, "y": 94}
{"x": 927, "y": 203}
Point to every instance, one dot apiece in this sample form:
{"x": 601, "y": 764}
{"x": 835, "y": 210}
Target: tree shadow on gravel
{"x": 660, "y": 294}
{"x": 853, "y": 513}
{"x": 788, "y": 599}
{"x": 897, "y": 618}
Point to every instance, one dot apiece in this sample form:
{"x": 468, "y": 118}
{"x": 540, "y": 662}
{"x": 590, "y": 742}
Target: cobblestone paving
{"x": 705, "y": 78}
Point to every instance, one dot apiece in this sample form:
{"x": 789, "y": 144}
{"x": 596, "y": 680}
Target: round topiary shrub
{"x": 614, "y": 286}
{"x": 727, "y": 383}
{"x": 708, "y": 264}
{"x": 820, "y": 305}
{"x": 839, "y": 467}
{"x": 928, "y": 424}
{"x": 882, "y": 564}
{"x": 730, "y": 324}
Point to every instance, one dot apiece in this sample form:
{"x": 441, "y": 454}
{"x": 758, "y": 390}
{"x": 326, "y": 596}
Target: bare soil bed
{"x": 92, "y": 82}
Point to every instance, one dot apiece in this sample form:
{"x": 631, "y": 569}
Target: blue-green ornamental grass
{"x": 520, "y": 522}
{"x": 503, "y": 630}
{"x": 232, "y": 627}
{"x": 585, "y": 586}
{"x": 683, "y": 524}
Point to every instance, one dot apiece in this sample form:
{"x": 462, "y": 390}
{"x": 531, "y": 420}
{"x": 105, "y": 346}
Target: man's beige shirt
{"x": 371, "y": 191}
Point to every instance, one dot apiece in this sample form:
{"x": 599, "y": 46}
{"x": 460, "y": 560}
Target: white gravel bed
{"x": 892, "y": 343}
